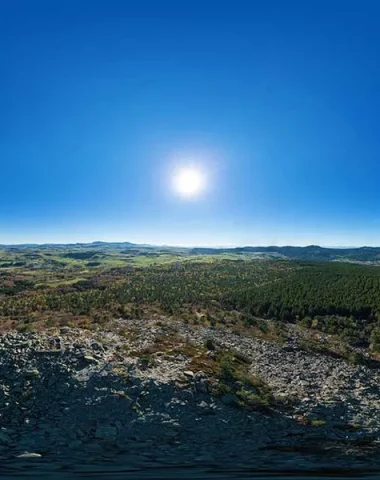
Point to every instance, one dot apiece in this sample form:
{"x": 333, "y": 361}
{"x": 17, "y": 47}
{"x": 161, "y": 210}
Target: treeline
{"x": 320, "y": 289}
{"x": 334, "y": 297}
{"x": 170, "y": 286}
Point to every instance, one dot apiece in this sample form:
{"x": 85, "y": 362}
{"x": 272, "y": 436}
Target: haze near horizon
{"x": 190, "y": 123}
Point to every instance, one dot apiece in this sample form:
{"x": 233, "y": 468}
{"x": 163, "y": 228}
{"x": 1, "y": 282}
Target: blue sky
{"x": 278, "y": 101}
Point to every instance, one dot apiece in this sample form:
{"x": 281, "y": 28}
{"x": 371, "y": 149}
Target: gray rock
{"x": 5, "y": 439}
{"x": 94, "y": 448}
{"x": 75, "y": 444}
{"x": 90, "y": 359}
{"x": 99, "y": 401}
{"x": 201, "y": 385}
{"x": 33, "y": 373}
{"x": 29, "y": 455}
{"x": 105, "y": 432}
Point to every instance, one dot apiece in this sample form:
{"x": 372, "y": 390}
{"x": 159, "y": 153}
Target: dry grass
{"x": 169, "y": 345}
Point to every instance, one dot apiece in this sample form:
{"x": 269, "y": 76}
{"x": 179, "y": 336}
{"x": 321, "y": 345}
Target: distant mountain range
{"x": 70, "y": 245}
{"x": 311, "y": 252}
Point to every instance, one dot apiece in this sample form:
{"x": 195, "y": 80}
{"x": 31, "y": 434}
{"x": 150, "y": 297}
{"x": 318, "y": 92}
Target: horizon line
{"x": 25, "y": 244}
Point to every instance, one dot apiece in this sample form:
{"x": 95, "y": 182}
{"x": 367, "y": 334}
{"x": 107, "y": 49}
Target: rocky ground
{"x": 79, "y": 396}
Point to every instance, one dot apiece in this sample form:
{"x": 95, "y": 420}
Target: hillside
{"x": 169, "y": 357}
{"x": 311, "y": 252}
{"x": 148, "y": 394}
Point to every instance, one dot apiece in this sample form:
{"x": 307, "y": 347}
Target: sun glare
{"x": 189, "y": 181}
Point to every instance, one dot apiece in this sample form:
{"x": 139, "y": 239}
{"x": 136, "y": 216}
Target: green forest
{"x": 334, "y": 297}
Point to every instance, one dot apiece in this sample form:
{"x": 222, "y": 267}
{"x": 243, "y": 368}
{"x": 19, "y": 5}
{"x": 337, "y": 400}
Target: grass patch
{"x": 231, "y": 374}
{"x": 317, "y": 423}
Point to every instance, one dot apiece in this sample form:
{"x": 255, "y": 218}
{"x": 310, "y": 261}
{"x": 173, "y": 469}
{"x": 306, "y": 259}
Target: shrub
{"x": 147, "y": 361}
{"x": 317, "y": 423}
{"x": 249, "y": 399}
{"x": 227, "y": 367}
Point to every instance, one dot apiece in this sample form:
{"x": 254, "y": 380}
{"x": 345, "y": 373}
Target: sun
{"x": 189, "y": 181}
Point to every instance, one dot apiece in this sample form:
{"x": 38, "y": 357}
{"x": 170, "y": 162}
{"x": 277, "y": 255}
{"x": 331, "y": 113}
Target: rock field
{"x": 78, "y": 396}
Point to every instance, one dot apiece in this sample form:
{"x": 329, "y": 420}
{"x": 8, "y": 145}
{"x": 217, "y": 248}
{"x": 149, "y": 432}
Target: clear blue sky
{"x": 278, "y": 100}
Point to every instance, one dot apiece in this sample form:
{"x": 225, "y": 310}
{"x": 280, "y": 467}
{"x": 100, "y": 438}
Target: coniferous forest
{"x": 89, "y": 287}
